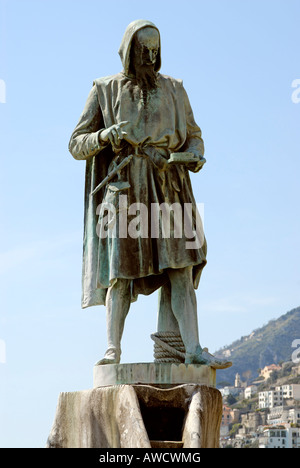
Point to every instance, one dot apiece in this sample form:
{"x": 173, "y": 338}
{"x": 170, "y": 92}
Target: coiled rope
{"x": 168, "y": 347}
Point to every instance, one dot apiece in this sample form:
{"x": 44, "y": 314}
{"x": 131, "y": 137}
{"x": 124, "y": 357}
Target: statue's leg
{"x": 117, "y": 306}
{"x": 166, "y": 321}
{"x": 184, "y": 306}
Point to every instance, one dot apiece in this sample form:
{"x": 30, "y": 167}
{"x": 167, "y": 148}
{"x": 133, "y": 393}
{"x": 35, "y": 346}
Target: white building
{"x": 270, "y": 399}
{"x": 280, "y": 437}
{"x": 226, "y": 391}
{"x": 294, "y": 416}
{"x": 250, "y": 391}
{"x": 273, "y": 398}
{"x": 283, "y": 415}
{"x": 291, "y": 391}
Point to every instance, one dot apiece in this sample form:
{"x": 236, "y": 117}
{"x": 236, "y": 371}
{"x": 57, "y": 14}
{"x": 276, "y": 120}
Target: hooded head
{"x": 125, "y": 50}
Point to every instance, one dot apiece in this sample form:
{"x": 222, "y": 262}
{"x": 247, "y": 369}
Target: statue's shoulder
{"x": 169, "y": 80}
{"x": 108, "y": 80}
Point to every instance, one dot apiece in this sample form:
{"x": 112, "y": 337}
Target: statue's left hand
{"x": 196, "y": 166}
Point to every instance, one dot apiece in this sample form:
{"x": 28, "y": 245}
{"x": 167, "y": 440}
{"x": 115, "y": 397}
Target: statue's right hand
{"x": 114, "y": 134}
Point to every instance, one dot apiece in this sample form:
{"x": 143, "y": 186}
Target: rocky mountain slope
{"x": 269, "y": 344}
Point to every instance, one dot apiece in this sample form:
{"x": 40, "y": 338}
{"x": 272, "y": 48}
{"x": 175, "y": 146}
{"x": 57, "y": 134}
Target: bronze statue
{"x": 139, "y": 139}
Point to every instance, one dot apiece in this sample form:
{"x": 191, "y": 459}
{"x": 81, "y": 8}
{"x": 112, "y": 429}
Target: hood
{"x": 125, "y": 46}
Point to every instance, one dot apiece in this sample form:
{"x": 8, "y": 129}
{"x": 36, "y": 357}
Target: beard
{"x": 146, "y": 77}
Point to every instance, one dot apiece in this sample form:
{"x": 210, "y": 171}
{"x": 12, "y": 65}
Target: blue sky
{"x": 238, "y": 61}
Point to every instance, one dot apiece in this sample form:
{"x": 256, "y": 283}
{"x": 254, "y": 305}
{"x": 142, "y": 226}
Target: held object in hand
{"x": 186, "y": 158}
{"x": 116, "y": 171}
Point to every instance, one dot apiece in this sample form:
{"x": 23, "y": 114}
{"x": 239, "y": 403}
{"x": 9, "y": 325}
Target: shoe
{"x": 202, "y": 356}
{"x": 112, "y": 356}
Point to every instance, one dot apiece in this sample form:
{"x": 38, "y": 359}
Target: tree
{"x": 247, "y": 375}
{"x": 231, "y": 400}
{"x": 274, "y": 376}
{"x": 234, "y": 429}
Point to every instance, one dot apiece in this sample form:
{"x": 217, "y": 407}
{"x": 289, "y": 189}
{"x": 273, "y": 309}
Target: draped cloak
{"x": 165, "y": 125}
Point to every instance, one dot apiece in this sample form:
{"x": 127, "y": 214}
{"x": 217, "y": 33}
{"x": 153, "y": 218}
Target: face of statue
{"x": 144, "y": 52}
{"x": 146, "y": 47}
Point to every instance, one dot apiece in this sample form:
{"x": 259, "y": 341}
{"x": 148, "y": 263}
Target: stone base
{"x": 138, "y": 416}
{"x": 162, "y": 374}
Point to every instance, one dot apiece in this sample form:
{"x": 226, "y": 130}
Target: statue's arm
{"x": 194, "y": 142}
{"x": 85, "y": 141}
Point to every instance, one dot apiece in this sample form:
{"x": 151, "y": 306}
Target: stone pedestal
{"x": 124, "y": 411}
{"x": 163, "y": 374}
{"x": 138, "y": 416}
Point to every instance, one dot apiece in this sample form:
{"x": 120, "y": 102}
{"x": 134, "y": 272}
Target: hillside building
{"x": 250, "y": 391}
{"x": 270, "y": 399}
{"x": 283, "y": 415}
{"x": 274, "y": 398}
{"x": 229, "y": 416}
{"x": 235, "y": 391}
{"x": 291, "y": 391}
{"x": 267, "y": 370}
{"x": 280, "y": 437}
{"x": 237, "y": 381}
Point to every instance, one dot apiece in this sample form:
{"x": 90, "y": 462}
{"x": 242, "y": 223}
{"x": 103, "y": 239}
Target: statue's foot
{"x": 112, "y": 356}
{"x": 202, "y": 356}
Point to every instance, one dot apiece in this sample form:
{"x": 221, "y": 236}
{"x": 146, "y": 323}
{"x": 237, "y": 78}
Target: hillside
{"x": 269, "y": 344}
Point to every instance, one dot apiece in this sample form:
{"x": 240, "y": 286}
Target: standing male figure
{"x": 141, "y": 112}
